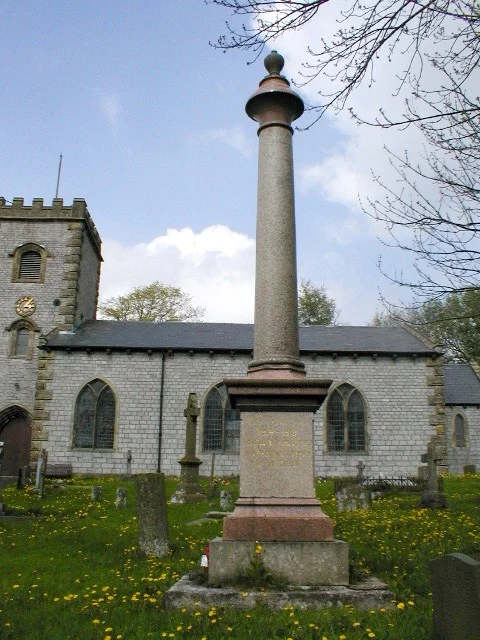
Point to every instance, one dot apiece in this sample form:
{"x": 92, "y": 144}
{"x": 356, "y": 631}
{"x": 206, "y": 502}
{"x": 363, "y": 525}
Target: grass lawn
{"x": 72, "y": 569}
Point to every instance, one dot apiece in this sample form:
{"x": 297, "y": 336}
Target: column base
{"x": 278, "y": 519}
{"x": 305, "y": 563}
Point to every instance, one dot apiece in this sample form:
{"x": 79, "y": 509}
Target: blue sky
{"x": 150, "y": 121}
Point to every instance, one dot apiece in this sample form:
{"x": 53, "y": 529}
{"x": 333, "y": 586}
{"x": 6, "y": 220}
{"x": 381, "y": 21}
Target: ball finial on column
{"x": 274, "y": 63}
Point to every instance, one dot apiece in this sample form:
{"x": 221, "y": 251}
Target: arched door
{"x": 16, "y": 436}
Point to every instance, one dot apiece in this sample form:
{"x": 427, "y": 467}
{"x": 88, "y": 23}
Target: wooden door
{"x": 16, "y": 436}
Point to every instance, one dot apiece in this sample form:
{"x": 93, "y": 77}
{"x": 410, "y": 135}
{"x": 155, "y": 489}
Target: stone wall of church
{"x": 395, "y": 391}
{"x": 458, "y": 457}
{"x": 195, "y": 373}
{"x": 135, "y": 381}
{"x": 398, "y": 415}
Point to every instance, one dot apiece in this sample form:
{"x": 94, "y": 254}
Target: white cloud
{"x": 110, "y": 107}
{"x": 215, "y": 266}
{"x": 234, "y": 137}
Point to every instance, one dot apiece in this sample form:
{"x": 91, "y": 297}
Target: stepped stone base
{"x": 369, "y": 594}
{"x": 306, "y": 563}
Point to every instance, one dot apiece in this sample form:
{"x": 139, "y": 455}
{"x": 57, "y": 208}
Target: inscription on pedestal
{"x": 276, "y": 455}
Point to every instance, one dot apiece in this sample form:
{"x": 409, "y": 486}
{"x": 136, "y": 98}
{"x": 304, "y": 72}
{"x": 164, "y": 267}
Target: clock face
{"x": 25, "y": 306}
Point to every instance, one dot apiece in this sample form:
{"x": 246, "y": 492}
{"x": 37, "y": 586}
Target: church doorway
{"x": 16, "y": 435}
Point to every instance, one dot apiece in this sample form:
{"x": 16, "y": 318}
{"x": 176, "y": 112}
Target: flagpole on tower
{"x": 58, "y": 177}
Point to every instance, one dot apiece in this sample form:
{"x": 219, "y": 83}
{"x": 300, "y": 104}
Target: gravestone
{"x": 455, "y": 580}
{"x": 189, "y": 489}
{"x": 96, "y": 493}
{"x": 152, "y": 513}
{"x": 432, "y": 498}
{"x": 352, "y": 497}
{"x": 212, "y": 486}
{"x": 121, "y": 497}
{"x": 360, "y": 470}
{"x": 2, "y": 445}
{"x": 3, "y": 509}
{"x": 226, "y": 500}
{"x": 41, "y": 469}
{"x": 129, "y": 463}
{"x": 469, "y": 469}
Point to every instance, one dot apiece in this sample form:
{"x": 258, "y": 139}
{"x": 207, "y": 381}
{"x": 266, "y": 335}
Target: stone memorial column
{"x": 277, "y": 506}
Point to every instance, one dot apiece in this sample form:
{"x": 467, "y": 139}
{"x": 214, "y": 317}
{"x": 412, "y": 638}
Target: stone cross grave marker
{"x": 455, "y": 580}
{"x": 189, "y": 489}
{"x": 360, "y": 470}
{"x": 152, "y": 513}
{"x": 432, "y": 498}
{"x": 41, "y": 470}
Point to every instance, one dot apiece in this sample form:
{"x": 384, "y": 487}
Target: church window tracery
{"x": 94, "y": 424}
{"x": 221, "y": 423}
{"x": 345, "y": 420}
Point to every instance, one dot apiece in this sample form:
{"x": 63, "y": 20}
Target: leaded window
{"x": 459, "y": 427}
{"x": 221, "y": 423}
{"x": 94, "y": 417}
{"x": 345, "y": 420}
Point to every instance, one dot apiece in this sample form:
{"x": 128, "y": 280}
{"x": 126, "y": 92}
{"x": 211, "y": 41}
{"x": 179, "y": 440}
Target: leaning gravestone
{"x": 456, "y": 597}
{"x": 152, "y": 513}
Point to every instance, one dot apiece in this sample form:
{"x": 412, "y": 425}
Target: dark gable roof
{"x": 208, "y": 336}
{"x": 462, "y": 386}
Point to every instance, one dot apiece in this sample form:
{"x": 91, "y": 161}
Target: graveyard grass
{"x": 72, "y": 569}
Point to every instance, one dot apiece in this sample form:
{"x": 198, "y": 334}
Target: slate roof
{"x": 207, "y": 336}
{"x": 462, "y": 386}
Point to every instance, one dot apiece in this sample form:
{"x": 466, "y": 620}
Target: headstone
{"x": 455, "y": 580}
{"x": 189, "y": 489}
{"x": 360, "y": 470}
{"x": 121, "y": 497}
{"x": 3, "y": 509}
{"x": 129, "y": 462}
{"x": 2, "y": 445}
{"x": 41, "y": 469}
{"x": 469, "y": 469}
{"x": 226, "y": 500}
{"x": 432, "y": 498}
{"x": 353, "y": 497}
{"x": 97, "y": 493}
{"x": 212, "y": 487}
{"x": 152, "y": 513}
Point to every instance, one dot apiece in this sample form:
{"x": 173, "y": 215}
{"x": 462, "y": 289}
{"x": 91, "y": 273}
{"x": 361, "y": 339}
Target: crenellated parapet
{"x": 76, "y": 212}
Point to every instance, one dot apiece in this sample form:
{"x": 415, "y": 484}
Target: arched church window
{"x": 22, "y": 339}
{"x": 459, "y": 430}
{"x": 221, "y": 423}
{"x": 345, "y": 420}
{"x": 29, "y": 261}
{"x": 94, "y": 424}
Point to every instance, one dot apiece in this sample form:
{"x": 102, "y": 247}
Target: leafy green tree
{"x": 453, "y": 322}
{"x": 314, "y": 305}
{"x": 155, "y": 302}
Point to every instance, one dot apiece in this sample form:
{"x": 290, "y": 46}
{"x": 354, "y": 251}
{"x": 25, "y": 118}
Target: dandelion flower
{"x": 401, "y": 606}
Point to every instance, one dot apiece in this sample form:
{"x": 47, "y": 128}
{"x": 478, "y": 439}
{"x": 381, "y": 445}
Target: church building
{"x": 108, "y": 397}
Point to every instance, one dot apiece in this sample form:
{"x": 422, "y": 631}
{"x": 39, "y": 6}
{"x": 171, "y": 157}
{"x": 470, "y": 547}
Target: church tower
{"x": 50, "y": 257}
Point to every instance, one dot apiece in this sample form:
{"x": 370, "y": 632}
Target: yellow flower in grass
{"x": 401, "y": 606}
